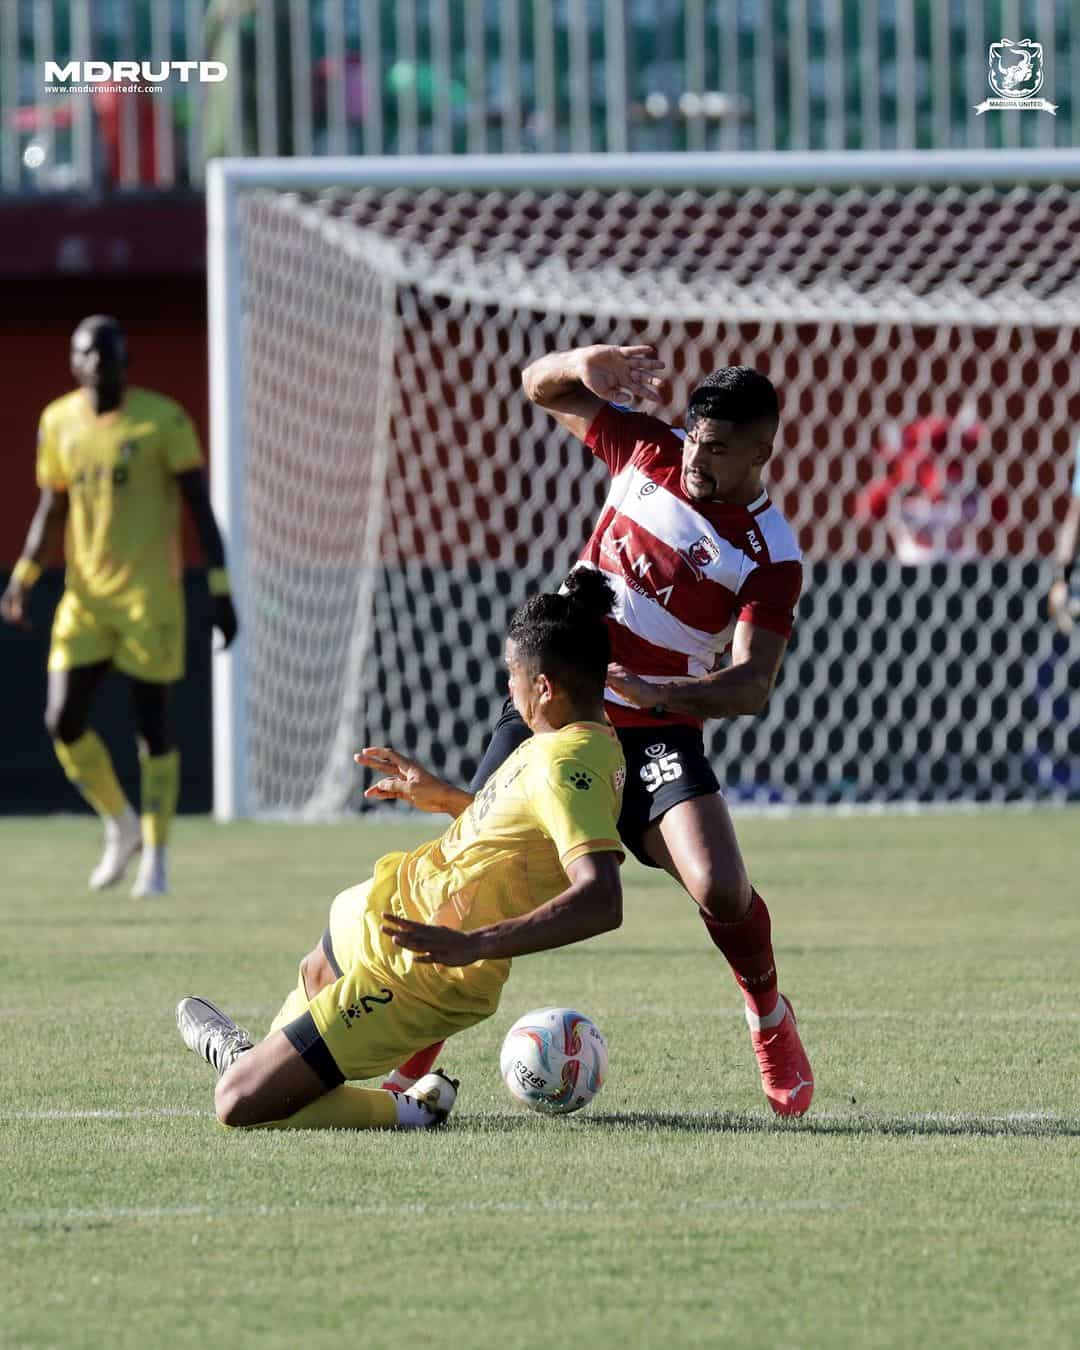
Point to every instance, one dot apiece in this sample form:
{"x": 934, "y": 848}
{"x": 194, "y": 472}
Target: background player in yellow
{"x": 113, "y": 462}
{"x": 421, "y": 950}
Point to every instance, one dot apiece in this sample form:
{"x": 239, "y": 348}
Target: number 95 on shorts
{"x": 664, "y": 766}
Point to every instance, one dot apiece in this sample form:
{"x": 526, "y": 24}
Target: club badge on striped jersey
{"x": 703, "y": 551}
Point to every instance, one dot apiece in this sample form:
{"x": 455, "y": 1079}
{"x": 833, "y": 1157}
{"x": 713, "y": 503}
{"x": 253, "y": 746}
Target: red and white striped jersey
{"x": 684, "y": 572}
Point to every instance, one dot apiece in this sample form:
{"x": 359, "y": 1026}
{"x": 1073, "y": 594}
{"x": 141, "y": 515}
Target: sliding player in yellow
{"x": 113, "y": 462}
{"x": 421, "y": 950}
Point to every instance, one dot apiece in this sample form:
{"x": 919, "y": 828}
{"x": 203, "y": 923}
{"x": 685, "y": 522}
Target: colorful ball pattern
{"x": 554, "y": 1060}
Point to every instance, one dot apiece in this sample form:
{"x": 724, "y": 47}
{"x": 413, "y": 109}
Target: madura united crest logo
{"x": 703, "y": 551}
{"x": 1015, "y": 74}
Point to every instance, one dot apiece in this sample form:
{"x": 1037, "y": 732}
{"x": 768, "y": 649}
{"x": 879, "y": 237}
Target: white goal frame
{"x": 227, "y": 178}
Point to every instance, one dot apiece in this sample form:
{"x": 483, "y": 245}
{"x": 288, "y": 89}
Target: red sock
{"x": 422, "y": 1062}
{"x": 747, "y": 945}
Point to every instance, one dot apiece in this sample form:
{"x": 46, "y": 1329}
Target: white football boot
{"x": 211, "y": 1033}
{"x": 152, "y": 877}
{"x": 436, "y": 1092}
{"x": 123, "y": 839}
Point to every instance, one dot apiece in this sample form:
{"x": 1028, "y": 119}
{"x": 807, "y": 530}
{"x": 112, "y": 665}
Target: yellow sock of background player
{"x": 88, "y": 764}
{"x": 160, "y": 790}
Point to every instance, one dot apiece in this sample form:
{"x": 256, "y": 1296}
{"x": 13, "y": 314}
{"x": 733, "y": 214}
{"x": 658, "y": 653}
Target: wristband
{"x": 217, "y": 578}
{"x": 25, "y": 572}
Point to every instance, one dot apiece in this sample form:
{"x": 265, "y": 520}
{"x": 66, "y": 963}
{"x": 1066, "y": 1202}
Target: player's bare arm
{"x": 573, "y": 386}
{"x": 192, "y": 486}
{"x": 406, "y": 781}
{"x": 1057, "y": 602}
{"x": 739, "y": 689}
{"x": 591, "y": 905}
{"x": 44, "y": 541}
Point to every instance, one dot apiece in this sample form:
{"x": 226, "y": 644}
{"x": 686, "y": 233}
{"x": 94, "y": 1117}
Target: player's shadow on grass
{"x": 734, "y": 1122}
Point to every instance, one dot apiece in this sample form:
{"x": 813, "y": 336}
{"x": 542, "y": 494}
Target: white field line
{"x": 90, "y": 1113}
{"x": 850, "y": 810}
{"x": 872, "y": 1122}
{"x": 807, "y": 1014}
{"x": 957, "y": 1120}
{"x": 725, "y": 1014}
{"x": 416, "y": 1208}
{"x": 259, "y": 1013}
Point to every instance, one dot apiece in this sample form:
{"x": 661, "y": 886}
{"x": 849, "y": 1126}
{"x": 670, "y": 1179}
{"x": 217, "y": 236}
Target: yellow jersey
{"x": 555, "y": 799}
{"x": 119, "y": 471}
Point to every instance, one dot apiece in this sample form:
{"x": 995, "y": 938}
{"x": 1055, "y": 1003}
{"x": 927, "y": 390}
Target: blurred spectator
{"x": 935, "y": 491}
{"x": 351, "y": 74}
{"x": 118, "y": 129}
{"x": 231, "y": 36}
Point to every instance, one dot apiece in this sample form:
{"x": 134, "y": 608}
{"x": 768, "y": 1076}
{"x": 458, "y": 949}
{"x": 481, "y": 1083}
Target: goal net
{"x": 391, "y": 496}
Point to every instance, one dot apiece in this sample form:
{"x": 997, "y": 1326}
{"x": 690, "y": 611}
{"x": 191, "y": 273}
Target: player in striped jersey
{"x": 702, "y": 563}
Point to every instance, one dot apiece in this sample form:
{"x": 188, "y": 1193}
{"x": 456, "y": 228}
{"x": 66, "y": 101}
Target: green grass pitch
{"x": 932, "y": 1198}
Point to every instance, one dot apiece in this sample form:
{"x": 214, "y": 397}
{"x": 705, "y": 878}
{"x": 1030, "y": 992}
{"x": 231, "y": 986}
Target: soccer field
{"x": 932, "y": 1196}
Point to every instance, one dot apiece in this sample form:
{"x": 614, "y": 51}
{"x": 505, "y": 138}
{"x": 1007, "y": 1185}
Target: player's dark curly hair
{"x": 564, "y": 634}
{"x": 733, "y": 394}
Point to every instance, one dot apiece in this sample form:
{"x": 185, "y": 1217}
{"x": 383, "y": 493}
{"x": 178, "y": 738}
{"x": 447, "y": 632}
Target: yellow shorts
{"x": 143, "y": 638}
{"x": 373, "y": 1017}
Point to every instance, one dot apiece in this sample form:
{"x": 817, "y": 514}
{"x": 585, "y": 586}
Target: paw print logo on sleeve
{"x": 581, "y": 780}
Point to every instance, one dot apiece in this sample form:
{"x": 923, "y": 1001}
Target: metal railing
{"x": 338, "y": 77}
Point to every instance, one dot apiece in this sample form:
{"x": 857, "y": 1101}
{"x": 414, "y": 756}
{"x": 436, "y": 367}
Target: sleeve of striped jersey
{"x": 50, "y": 472}
{"x": 181, "y": 440}
{"x": 576, "y": 807}
{"x": 770, "y": 595}
{"x": 616, "y": 433}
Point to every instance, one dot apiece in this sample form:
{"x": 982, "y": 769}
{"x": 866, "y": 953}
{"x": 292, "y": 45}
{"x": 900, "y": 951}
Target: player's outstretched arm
{"x": 192, "y": 484}
{"x": 573, "y": 386}
{"x": 44, "y": 541}
{"x": 591, "y": 905}
{"x": 739, "y": 689}
{"x": 406, "y": 781}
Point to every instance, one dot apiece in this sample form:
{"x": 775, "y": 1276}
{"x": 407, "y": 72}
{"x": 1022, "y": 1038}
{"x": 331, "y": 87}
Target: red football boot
{"x": 786, "y": 1075}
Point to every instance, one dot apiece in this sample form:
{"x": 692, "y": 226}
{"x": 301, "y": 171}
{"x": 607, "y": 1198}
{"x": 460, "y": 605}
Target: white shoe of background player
{"x": 123, "y": 839}
{"x": 153, "y": 874}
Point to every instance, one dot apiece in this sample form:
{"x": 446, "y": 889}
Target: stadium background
{"x": 102, "y": 208}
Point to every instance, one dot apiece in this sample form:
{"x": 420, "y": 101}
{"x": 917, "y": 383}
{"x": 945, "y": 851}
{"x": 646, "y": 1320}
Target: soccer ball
{"x": 554, "y": 1061}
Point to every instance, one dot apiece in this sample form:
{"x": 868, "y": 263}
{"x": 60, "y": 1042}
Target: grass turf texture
{"x": 932, "y": 1196}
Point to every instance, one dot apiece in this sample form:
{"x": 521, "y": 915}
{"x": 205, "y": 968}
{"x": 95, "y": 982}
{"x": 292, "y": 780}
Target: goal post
{"x": 388, "y": 496}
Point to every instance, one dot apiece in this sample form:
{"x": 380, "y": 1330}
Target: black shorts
{"x": 664, "y": 766}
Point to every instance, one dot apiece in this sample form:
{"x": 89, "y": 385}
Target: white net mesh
{"x": 403, "y": 497}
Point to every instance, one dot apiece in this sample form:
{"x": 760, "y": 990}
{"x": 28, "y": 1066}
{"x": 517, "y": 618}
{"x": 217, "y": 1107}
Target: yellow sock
{"x": 160, "y": 789}
{"x": 346, "y": 1108}
{"x": 87, "y": 763}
